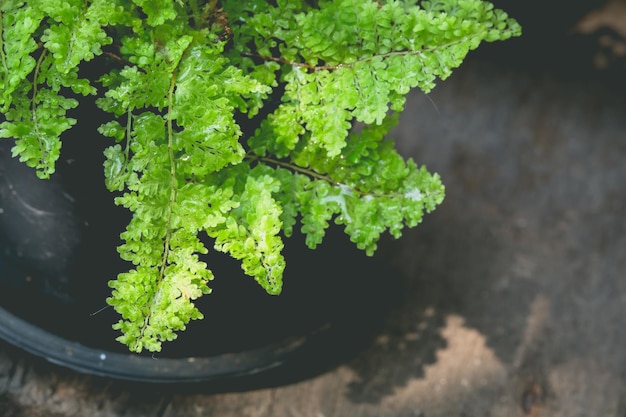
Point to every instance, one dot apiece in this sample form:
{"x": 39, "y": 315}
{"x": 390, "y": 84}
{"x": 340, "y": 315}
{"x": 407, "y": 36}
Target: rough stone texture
{"x": 513, "y": 297}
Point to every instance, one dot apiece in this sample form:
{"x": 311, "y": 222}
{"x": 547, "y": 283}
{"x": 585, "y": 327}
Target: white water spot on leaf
{"x": 414, "y": 194}
{"x": 341, "y": 200}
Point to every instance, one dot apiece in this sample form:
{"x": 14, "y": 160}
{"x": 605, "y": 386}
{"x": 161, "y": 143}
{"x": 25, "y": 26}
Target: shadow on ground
{"x": 527, "y": 248}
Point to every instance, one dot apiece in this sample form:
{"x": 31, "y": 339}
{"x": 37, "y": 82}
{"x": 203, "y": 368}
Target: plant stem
{"x": 2, "y": 54}
{"x": 173, "y": 186}
{"x": 33, "y": 102}
{"x": 173, "y": 192}
{"x": 292, "y": 167}
{"x": 352, "y": 64}
{"x": 195, "y": 11}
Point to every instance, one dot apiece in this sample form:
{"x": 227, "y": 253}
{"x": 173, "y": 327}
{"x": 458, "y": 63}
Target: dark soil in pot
{"x": 58, "y": 242}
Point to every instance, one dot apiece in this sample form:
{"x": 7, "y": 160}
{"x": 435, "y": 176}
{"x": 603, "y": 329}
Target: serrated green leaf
{"x": 318, "y": 83}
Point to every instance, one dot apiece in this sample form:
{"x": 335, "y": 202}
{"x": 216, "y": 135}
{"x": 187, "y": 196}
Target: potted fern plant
{"x": 230, "y": 124}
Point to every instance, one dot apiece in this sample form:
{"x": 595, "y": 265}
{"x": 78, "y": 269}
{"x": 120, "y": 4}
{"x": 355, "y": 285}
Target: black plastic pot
{"x": 58, "y": 242}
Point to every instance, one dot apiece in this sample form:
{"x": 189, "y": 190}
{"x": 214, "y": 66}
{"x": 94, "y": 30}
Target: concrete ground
{"x": 513, "y": 292}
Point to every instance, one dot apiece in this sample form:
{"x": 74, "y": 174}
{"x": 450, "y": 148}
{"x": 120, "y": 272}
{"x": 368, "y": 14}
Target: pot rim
{"x": 138, "y": 368}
